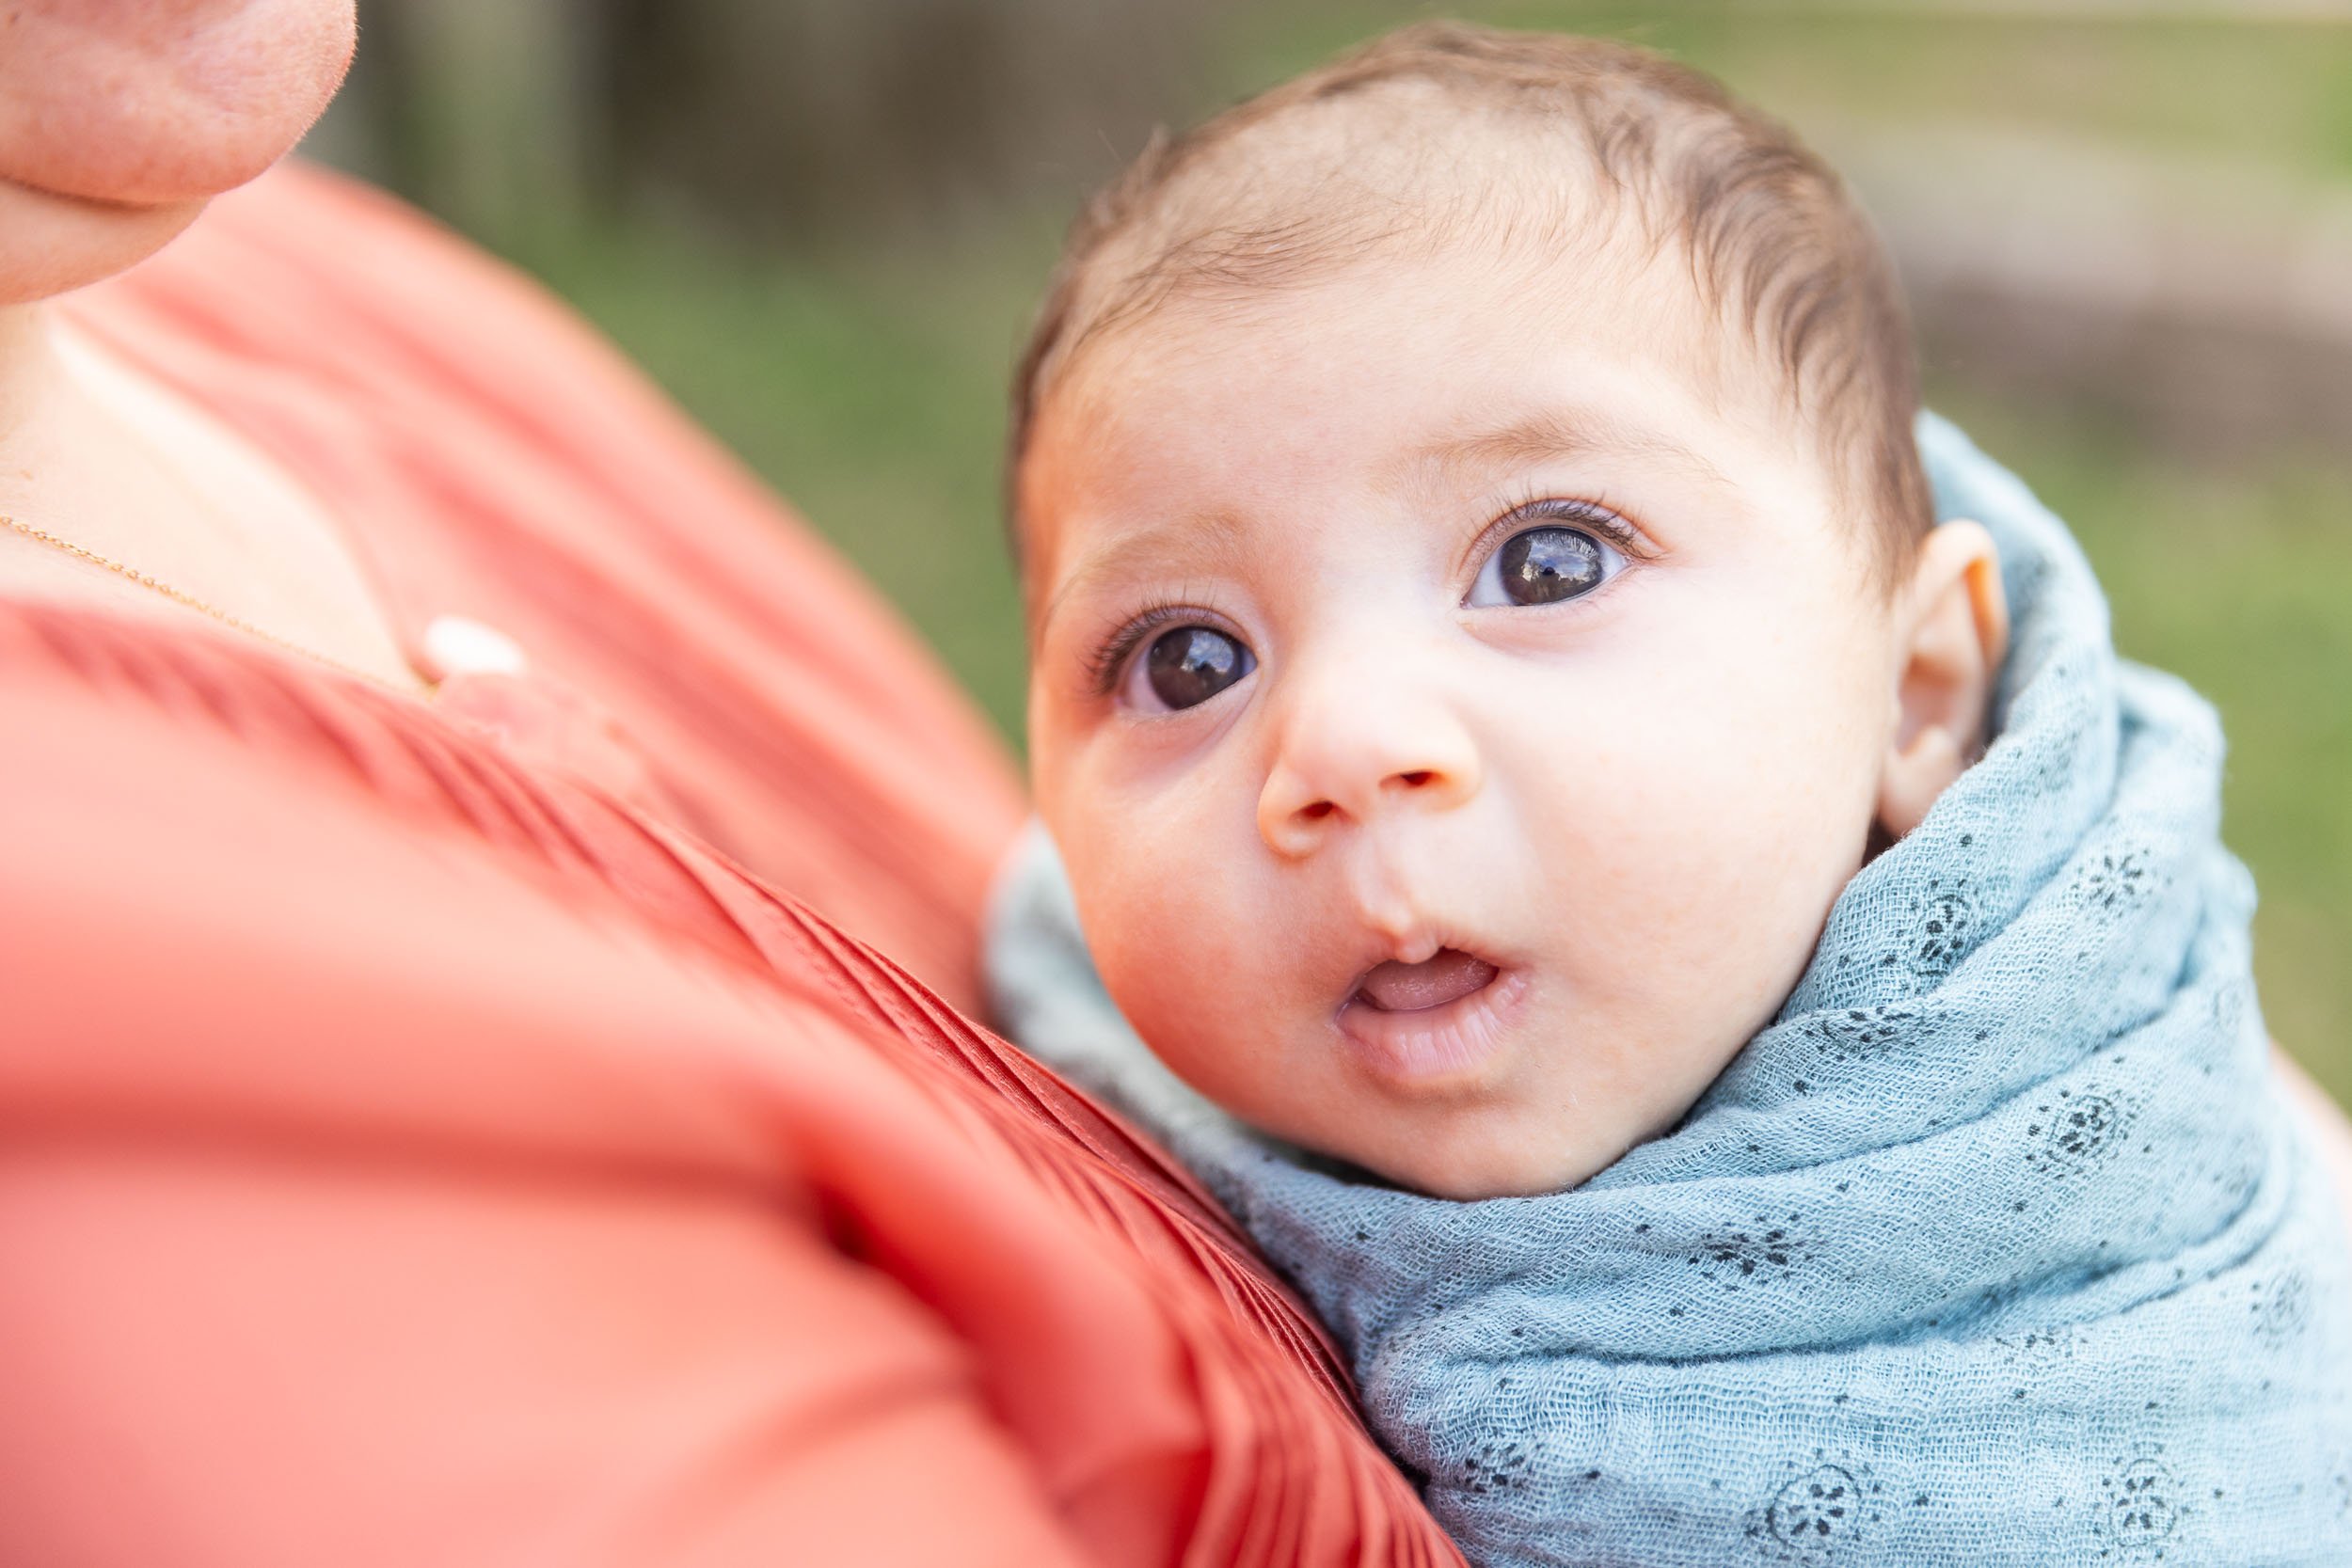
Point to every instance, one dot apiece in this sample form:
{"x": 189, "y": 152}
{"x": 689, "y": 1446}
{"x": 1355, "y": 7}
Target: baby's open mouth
{"x": 1441, "y": 1026}
{"x": 1448, "y": 975}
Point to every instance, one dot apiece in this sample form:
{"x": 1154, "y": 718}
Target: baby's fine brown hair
{"x": 1442, "y": 134}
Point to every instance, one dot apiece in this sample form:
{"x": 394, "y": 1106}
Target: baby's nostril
{"x": 1317, "y": 812}
{"x": 1417, "y": 778}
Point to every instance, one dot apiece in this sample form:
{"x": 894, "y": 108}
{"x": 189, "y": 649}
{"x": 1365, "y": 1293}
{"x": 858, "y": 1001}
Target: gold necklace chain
{"x": 189, "y": 600}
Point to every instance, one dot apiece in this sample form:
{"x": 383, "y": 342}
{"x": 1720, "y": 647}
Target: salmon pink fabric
{"x": 444, "y": 1132}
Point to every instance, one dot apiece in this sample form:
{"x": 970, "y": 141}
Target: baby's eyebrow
{"x": 1552, "y": 433}
{"x": 1160, "y": 548}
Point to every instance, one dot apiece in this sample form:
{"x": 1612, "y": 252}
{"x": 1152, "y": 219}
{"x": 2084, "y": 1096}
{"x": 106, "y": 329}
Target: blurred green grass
{"x": 2275, "y": 92}
{"x": 871, "y": 392}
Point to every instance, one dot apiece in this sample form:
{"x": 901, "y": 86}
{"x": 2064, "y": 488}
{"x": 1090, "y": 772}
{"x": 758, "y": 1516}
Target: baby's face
{"x": 1458, "y": 702}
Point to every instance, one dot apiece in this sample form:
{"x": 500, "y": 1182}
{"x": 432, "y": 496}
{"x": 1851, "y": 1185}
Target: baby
{"x": 1515, "y": 731}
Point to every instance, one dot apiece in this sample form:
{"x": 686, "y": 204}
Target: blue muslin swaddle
{"x": 1997, "y": 1247}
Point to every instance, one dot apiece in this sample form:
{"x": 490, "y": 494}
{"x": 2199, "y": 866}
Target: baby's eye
{"x": 1544, "y": 565}
{"x": 1184, "y": 668}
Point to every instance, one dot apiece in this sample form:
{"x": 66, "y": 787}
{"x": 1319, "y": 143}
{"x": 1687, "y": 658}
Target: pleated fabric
{"x": 487, "y": 459}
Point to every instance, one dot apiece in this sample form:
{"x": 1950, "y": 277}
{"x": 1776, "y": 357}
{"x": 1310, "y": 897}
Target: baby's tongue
{"x": 1396, "y": 988}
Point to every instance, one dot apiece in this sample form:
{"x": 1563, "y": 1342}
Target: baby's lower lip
{"x": 1451, "y": 1045}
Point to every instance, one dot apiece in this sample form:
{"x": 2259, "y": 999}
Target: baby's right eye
{"x": 1184, "y": 668}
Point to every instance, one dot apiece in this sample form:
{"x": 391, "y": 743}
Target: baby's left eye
{"x": 1545, "y": 565}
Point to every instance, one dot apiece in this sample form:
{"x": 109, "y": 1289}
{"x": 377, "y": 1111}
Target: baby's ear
{"x": 1952, "y": 630}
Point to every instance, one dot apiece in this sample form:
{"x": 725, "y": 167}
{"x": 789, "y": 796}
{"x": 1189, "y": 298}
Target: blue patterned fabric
{"x": 1997, "y": 1247}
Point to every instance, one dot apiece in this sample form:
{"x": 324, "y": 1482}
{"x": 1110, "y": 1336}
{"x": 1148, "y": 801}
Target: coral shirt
{"x": 440, "y": 1131}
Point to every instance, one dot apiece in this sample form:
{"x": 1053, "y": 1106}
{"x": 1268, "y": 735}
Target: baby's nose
{"x": 1342, "y": 764}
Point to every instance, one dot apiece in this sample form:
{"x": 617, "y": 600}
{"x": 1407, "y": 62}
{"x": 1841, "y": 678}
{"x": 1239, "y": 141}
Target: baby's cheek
{"x": 1716, "y": 829}
{"x": 1780, "y": 853}
{"x": 1179, "y": 946}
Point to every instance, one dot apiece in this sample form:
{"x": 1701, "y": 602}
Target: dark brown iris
{"x": 1192, "y": 664}
{"x": 1545, "y": 565}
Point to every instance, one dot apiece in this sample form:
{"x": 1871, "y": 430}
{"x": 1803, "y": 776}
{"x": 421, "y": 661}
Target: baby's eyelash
{"x": 1594, "y": 512}
{"x": 1104, "y": 665}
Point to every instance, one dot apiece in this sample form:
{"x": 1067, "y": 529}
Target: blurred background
{"x": 2127, "y": 230}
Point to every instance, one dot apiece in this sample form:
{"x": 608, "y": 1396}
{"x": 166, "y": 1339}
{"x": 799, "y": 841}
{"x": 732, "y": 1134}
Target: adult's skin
{"x": 118, "y": 120}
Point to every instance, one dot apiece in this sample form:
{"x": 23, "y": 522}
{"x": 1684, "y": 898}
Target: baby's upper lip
{"x": 1447, "y": 977}
{"x": 1396, "y": 952}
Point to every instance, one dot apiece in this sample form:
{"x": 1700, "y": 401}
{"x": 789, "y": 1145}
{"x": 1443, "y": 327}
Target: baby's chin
{"x": 1468, "y": 1154}
{"x": 1504, "y": 1134}
{"x": 1470, "y": 1174}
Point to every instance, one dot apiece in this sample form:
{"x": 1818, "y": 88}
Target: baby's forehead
{"x": 1424, "y": 385}
{"x": 1470, "y": 343}
{"x": 1497, "y": 295}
